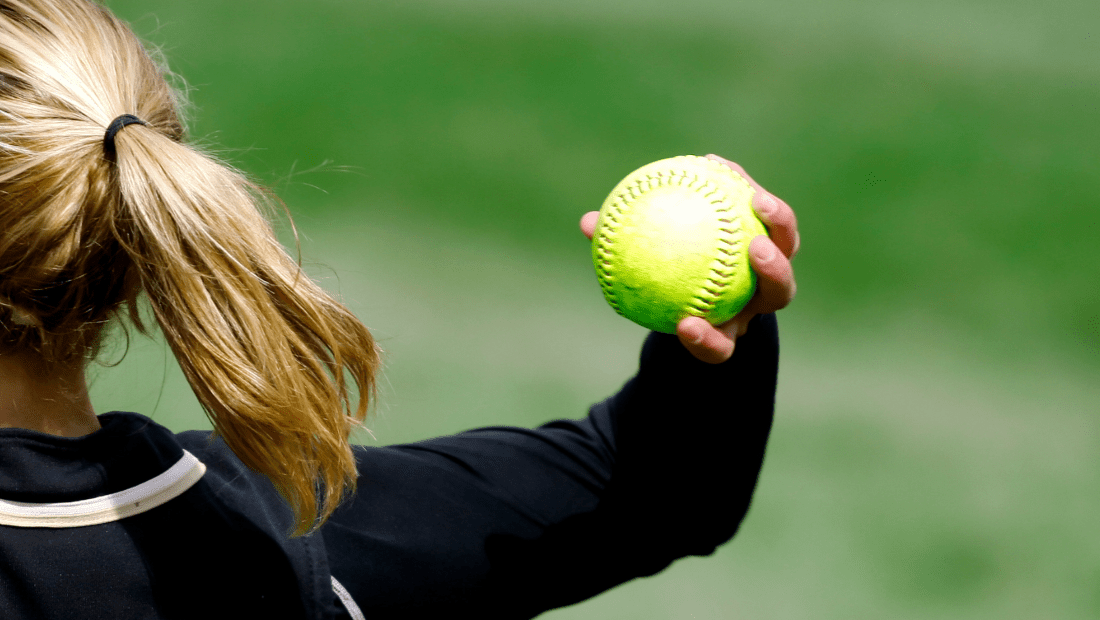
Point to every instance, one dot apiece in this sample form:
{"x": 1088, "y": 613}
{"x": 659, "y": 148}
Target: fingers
{"x": 702, "y": 340}
{"x": 777, "y": 216}
{"x": 779, "y": 220}
{"x": 588, "y": 223}
{"x": 770, "y": 256}
{"x": 775, "y": 284}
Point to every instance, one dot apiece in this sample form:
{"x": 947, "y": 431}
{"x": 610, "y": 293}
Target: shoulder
{"x": 225, "y": 472}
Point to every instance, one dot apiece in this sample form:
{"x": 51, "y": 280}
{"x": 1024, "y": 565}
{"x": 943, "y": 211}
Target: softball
{"x": 672, "y": 240}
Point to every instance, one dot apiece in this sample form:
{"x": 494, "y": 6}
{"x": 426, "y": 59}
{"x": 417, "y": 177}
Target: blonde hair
{"x": 85, "y": 233}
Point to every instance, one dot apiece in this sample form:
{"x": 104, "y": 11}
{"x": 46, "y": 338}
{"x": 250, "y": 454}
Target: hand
{"x": 775, "y": 286}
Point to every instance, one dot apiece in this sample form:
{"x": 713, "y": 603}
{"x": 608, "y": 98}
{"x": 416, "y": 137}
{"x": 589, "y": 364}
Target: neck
{"x": 48, "y": 400}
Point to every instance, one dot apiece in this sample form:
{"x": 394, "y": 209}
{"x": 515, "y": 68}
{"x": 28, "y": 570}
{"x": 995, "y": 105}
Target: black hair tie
{"x": 116, "y": 126}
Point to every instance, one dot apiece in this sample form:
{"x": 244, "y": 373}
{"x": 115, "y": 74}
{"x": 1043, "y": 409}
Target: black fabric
{"x": 498, "y": 522}
{"x": 216, "y": 551}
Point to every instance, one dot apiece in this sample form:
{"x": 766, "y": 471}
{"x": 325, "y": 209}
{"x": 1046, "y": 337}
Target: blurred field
{"x": 935, "y": 450}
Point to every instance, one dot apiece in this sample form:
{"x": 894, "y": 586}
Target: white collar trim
{"x": 106, "y": 508}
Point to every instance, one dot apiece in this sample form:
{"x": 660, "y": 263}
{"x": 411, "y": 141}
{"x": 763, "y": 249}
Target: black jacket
{"x": 134, "y": 521}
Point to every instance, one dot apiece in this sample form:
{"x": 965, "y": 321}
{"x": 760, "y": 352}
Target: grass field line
{"x": 935, "y": 384}
{"x": 909, "y": 366}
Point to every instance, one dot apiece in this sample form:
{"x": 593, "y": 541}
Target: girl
{"x": 103, "y": 204}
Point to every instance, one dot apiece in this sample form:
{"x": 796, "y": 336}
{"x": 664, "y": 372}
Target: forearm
{"x": 690, "y": 437}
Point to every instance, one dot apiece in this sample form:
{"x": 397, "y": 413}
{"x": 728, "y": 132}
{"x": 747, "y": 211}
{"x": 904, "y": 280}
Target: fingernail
{"x": 764, "y": 252}
{"x": 765, "y": 205}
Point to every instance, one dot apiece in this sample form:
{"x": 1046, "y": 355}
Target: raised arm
{"x": 508, "y": 522}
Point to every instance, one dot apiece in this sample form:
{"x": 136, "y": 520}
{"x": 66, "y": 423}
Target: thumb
{"x": 588, "y": 223}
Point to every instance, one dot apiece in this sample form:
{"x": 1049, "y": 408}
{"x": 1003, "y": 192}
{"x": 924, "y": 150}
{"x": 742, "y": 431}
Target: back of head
{"x": 86, "y": 230}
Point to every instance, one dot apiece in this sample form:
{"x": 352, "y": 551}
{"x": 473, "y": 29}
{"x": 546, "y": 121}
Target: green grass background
{"x": 935, "y": 448}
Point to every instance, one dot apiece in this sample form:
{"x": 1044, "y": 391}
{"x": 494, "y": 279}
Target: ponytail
{"x": 264, "y": 348}
{"x": 88, "y": 231}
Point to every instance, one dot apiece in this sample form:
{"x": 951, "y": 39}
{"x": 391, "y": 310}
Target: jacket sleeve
{"x": 508, "y": 522}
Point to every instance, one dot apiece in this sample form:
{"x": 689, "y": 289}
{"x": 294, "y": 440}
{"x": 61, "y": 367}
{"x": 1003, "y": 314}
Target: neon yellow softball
{"x": 672, "y": 240}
